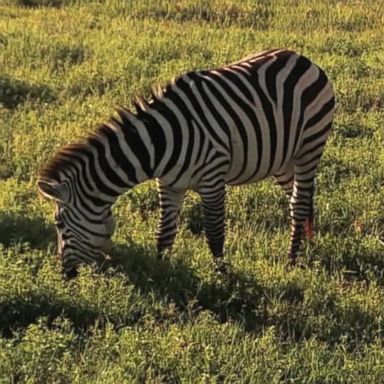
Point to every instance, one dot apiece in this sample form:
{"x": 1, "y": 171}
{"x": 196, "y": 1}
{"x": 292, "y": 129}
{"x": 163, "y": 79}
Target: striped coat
{"x": 266, "y": 115}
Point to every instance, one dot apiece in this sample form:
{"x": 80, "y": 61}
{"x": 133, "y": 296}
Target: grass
{"x": 64, "y": 66}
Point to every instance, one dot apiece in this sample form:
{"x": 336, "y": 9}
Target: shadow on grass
{"x": 259, "y": 16}
{"x": 354, "y": 256}
{"x": 230, "y": 298}
{"x": 233, "y": 297}
{"x": 238, "y": 297}
{"x": 17, "y": 313}
{"x": 17, "y": 229}
{"x": 14, "y": 92}
{"x": 40, "y": 3}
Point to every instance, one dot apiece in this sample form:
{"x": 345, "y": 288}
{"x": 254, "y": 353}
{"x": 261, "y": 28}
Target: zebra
{"x": 267, "y": 115}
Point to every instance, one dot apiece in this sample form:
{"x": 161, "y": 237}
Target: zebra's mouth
{"x": 101, "y": 263}
{"x": 70, "y": 274}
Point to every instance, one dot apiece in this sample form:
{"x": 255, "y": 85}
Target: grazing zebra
{"x": 266, "y": 115}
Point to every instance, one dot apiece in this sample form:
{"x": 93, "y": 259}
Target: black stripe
{"x": 81, "y": 177}
{"x": 67, "y": 218}
{"x": 203, "y": 140}
{"x": 312, "y": 91}
{"x": 317, "y": 157}
{"x": 174, "y": 123}
{"x": 211, "y": 106}
{"x": 301, "y": 66}
{"x": 204, "y": 162}
{"x": 327, "y": 107}
{"x": 232, "y": 113}
{"x": 185, "y": 87}
{"x": 136, "y": 144}
{"x": 313, "y": 149}
{"x": 268, "y": 111}
{"x": 98, "y": 182}
{"x": 307, "y": 97}
{"x": 121, "y": 159}
{"x": 184, "y": 110}
{"x": 271, "y": 75}
{"x": 155, "y": 132}
{"x": 317, "y": 135}
{"x": 108, "y": 172}
{"x": 233, "y": 78}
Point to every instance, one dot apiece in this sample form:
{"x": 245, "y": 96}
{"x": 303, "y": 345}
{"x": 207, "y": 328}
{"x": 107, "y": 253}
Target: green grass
{"x": 64, "y": 65}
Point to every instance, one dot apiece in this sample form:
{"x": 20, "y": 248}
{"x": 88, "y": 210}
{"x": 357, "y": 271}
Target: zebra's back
{"x": 261, "y": 108}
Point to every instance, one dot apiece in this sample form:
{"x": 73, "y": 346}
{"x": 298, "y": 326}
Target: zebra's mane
{"x": 61, "y": 160}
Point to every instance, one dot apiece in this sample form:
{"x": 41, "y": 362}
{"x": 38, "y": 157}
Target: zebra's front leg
{"x": 213, "y": 199}
{"x": 170, "y": 203}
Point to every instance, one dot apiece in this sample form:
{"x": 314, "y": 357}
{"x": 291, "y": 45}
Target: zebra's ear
{"x": 53, "y": 190}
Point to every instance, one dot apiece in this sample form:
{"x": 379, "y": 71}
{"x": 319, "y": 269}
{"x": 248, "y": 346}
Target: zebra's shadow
{"x": 231, "y": 296}
{"x": 19, "y": 228}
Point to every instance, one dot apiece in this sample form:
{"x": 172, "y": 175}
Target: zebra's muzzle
{"x": 70, "y": 274}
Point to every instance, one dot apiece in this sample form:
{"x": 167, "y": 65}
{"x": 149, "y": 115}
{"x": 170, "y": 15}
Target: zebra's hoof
{"x": 291, "y": 264}
{"x": 222, "y": 267}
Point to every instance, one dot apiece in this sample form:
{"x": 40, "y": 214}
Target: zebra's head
{"x": 82, "y": 236}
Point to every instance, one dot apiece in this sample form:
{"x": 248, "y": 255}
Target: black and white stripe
{"x": 266, "y": 115}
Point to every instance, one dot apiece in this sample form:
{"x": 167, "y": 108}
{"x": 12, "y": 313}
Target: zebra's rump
{"x": 266, "y": 102}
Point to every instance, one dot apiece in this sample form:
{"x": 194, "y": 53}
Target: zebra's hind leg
{"x": 170, "y": 203}
{"x": 213, "y": 199}
{"x": 285, "y": 179}
{"x": 301, "y": 205}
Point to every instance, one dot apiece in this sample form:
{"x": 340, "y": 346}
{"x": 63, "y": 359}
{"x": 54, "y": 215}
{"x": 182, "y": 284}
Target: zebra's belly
{"x": 249, "y": 166}
{"x": 256, "y": 158}
{"x": 250, "y": 176}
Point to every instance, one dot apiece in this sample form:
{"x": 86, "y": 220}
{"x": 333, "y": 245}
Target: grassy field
{"x": 64, "y": 65}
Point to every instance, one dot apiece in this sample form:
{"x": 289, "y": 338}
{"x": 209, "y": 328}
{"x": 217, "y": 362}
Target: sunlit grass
{"x": 64, "y": 65}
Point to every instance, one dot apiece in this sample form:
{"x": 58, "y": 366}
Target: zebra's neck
{"x": 150, "y": 138}
{"x": 123, "y": 155}
{"x": 135, "y": 147}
